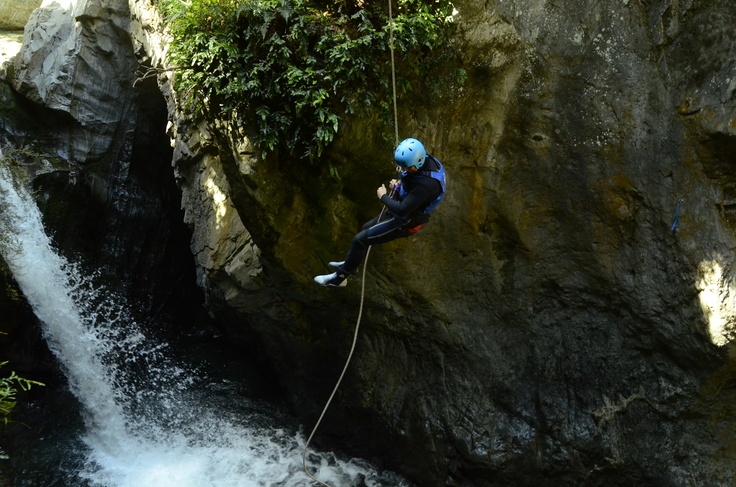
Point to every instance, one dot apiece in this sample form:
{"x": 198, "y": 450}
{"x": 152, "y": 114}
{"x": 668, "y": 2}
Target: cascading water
{"x": 147, "y": 421}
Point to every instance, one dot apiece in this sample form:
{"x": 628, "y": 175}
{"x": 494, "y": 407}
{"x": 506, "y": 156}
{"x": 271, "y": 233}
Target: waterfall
{"x": 49, "y": 284}
{"x": 149, "y": 422}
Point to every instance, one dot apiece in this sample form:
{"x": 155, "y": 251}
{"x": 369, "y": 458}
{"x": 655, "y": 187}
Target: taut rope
{"x": 365, "y": 262}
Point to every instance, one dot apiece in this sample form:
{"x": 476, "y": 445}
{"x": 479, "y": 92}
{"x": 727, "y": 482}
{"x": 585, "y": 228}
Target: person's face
{"x": 410, "y": 169}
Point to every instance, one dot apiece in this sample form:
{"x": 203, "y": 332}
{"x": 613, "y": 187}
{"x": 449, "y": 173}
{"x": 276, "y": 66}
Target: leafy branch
{"x": 151, "y": 72}
{"x": 292, "y": 69}
{"x": 9, "y": 387}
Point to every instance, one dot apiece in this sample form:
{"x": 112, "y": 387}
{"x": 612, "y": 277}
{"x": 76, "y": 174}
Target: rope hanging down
{"x": 365, "y": 262}
{"x": 393, "y": 72}
{"x": 337, "y": 385}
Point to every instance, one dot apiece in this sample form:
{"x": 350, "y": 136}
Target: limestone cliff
{"x": 106, "y": 182}
{"x": 552, "y": 324}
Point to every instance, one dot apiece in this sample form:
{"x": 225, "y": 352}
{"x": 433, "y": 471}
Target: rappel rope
{"x": 393, "y": 73}
{"x": 365, "y": 262}
{"x": 334, "y": 391}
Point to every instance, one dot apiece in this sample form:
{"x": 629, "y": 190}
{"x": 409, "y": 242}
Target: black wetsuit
{"x": 402, "y": 218}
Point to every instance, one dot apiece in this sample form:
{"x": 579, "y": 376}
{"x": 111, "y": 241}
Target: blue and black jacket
{"x": 419, "y": 194}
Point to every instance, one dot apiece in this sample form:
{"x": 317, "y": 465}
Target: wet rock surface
{"x": 103, "y": 158}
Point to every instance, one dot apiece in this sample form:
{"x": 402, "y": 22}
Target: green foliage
{"x": 293, "y": 68}
{"x": 9, "y": 387}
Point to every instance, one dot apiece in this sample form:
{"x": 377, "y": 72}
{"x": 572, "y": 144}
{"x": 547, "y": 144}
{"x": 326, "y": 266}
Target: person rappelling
{"x": 418, "y": 192}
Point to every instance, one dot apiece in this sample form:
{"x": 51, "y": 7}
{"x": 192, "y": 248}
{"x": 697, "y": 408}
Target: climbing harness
{"x": 365, "y": 262}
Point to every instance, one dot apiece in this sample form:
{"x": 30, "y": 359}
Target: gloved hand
{"x": 381, "y": 191}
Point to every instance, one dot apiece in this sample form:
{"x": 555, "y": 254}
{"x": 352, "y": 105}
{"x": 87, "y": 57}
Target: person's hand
{"x": 381, "y": 191}
{"x": 392, "y": 184}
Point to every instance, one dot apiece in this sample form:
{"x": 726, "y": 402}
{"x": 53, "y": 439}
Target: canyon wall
{"x": 567, "y": 315}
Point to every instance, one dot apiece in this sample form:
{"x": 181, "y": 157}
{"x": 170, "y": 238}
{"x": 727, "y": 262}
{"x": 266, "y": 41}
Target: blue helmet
{"x": 410, "y": 152}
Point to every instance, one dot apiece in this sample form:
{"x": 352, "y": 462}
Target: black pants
{"x": 383, "y": 228}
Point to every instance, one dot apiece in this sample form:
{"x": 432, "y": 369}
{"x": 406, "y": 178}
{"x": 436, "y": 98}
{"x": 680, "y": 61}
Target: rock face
{"x": 85, "y": 44}
{"x": 117, "y": 202}
{"x": 15, "y": 13}
{"x": 552, "y": 325}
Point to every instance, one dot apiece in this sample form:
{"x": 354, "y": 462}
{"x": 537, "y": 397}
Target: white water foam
{"x": 148, "y": 422}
